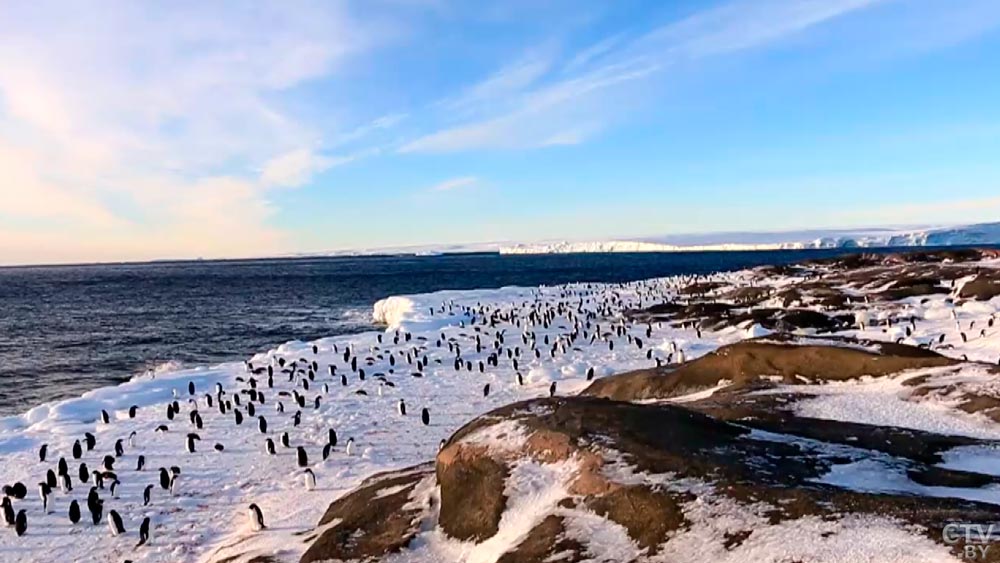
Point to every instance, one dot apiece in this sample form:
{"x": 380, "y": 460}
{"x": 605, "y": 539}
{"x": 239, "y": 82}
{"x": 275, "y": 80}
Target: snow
{"x": 982, "y": 234}
{"x": 205, "y": 521}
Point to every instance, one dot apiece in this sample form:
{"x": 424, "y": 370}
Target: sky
{"x": 135, "y": 130}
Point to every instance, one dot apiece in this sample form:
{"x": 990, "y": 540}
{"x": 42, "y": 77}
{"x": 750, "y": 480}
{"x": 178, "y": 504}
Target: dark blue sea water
{"x": 67, "y": 329}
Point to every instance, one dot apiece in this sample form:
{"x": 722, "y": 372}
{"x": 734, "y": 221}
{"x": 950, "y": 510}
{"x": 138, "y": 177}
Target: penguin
{"x": 309, "y": 479}
{"x": 238, "y": 415}
{"x": 96, "y": 511}
{"x": 191, "y": 442}
{"x": 191, "y": 388}
{"x": 174, "y": 485}
{"x": 269, "y": 446}
{"x": 332, "y": 439}
{"x": 50, "y": 479}
{"x": 109, "y": 463}
{"x": 219, "y": 447}
{"x": 115, "y": 523}
{"x": 119, "y": 448}
{"x": 84, "y": 473}
{"x": 17, "y": 490}
{"x": 131, "y": 439}
{"x": 90, "y": 440}
{"x": 43, "y": 493}
{"x": 105, "y": 417}
{"x": 132, "y": 411}
{"x": 8, "y": 511}
{"x": 74, "y": 512}
{"x": 143, "y": 532}
{"x": 145, "y": 495}
{"x": 65, "y": 485}
{"x": 425, "y": 416}
{"x": 164, "y": 479}
{"x": 284, "y": 440}
{"x": 401, "y": 407}
{"x": 262, "y": 424}
{"x": 62, "y": 466}
{"x": 552, "y": 389}
{"x": 349, "y": 447}
{"x": 256, "y": 518}
{"x": 590, "y": 372}
{"x": 326, "y": 451}
{"x": 303, "y": 459}
{"x": 21, "y": 523}
{"x": 114, "y": 488}
{"x": 77, "y": 450}
{"x": 140, "y": 463}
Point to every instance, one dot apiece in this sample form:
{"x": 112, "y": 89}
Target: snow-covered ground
{"x": 982, "y": 234}
{"x": 205, "y": 519}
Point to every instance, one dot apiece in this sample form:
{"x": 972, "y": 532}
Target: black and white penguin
{"x": 425, "y": 416}
{"x": 50, "y": 479}
{"x": 65, "y": 484}
{"x": 119, "y": 448}
{"x": 84, "y": 473}
{"x": 191, "y": 388}
{"x": 109, "y": 463}
{"x": 256, "y": 518}
{"x": 486, "y": 390}
{"x": 8, "y": 511}
{"x": 21, "y": 523}
{"x": 140, "y": 463}
{"x": 552, "y": 389}
{"x": 164, "y": 479}
{"x": 42, "y": 452}
{"x": 114, "y": 488}
{"x": 262, "y": 424}
{"x": 131, "y": 439}
{"x": 303, "y": 459}
{"x": 349, "y": 447}
{"x": 17, "y": 490}
{"x": 77, "y": 450}
{"x": 105, "y": 417}
{"x": 309, "y": 479}
{"x": 74, "y": 512}
{"x": 90, "y": 440}
{"x": 44, "y": 490}
{"x": 219, "y": 447}
{"x": 96, "y": 511}
{"x": 146, "y": 494}
{"x": 326, "y": 451}
{"x": 332, "y": 438}
{"x": 284, "y": 440}
{"x": 132, "y": 411}
{"x": 174, "y": 484}
{"x": 269, "y": 446}
{"x": 115, "y": 523}
{"x": 401, "y": 407}
{"x": 143, "y": 532}
{"x": 191, "y": 442}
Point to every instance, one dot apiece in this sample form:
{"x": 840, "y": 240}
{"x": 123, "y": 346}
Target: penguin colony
{"x": 284, "y": 397}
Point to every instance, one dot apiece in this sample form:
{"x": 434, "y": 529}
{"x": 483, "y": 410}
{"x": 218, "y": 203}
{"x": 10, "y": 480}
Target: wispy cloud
{"x": 455, "y": 184}
{"x": 541, "y": 104}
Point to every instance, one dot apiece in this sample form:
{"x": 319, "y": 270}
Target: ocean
{"x": 68, "y": 329}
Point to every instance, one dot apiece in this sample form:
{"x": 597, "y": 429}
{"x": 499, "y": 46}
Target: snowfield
{"x": 205, "y": 521}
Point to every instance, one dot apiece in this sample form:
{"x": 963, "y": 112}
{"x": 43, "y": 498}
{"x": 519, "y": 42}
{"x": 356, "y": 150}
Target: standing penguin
{"x": 140, "y": 463}
{"x": 262, "y": 424}
{"x": 42, "y": 452}
{"x": 145, "y": 495}
{"x": 164, "y": 479}
{"x": 77, "y": 450}
{"x": 401, "y": 407}
{"x": 90, "y": 440}
{"x": 21, "y": 523}
{"x": 143, "y": 532}
{"x": 256, "y": 518}
{"x": 425, "y": 416}
{"x": 269, "y": 446}
{"x": 115, "y": 523}
{"x": 552, "y": 389}
{"x": 74, "y": 512}
{"x": 190, "y": 442}
{"x": 105, "y": 417}
{"x": 8, "y": 511}
{"x": 303, "y": 459}
{"x": 309, "y": 478}
{"x": 43, "y": 493}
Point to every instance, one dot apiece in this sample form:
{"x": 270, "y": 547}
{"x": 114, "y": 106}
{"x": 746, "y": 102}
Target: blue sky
{"x": 133, "y": 130}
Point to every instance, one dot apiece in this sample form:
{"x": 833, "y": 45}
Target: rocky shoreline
{"x": 733, "y": 455}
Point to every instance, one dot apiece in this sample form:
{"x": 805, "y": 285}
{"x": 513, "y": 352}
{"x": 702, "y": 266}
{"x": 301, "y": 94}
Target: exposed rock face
{"x": 378, "y": 518}
{"x": 792, "y": 359}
